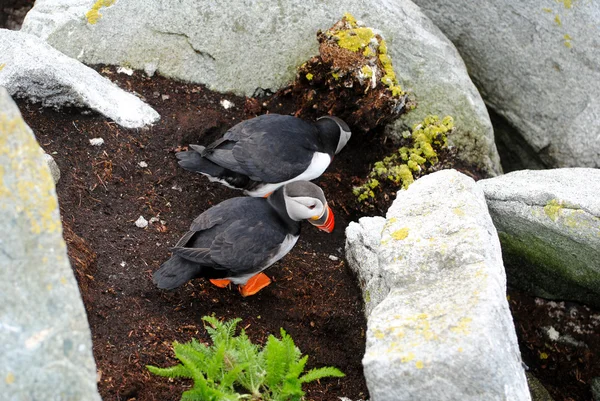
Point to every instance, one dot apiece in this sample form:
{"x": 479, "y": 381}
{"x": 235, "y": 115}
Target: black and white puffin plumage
{"x": 261, "y": 154}
{"x": 240, "y": 237}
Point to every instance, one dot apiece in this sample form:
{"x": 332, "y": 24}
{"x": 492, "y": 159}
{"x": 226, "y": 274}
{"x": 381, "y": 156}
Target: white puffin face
{"x": 304, "y": 207}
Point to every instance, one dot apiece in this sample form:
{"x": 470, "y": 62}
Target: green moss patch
{"x": 555, "y": 267}
{"x": 418, "y": 155}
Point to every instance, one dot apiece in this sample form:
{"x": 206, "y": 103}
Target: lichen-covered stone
{"x": 33, "y": 70}
{"x": 46, "y": 347}
{"x": 549, "y": 225}
{"x": 199, "y": 41}
{"x": 438, "y": 323}
{"x": 537, "y": 65}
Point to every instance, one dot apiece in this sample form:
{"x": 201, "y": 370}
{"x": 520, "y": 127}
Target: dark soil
{"x": 565, "y": 366}
{"x": 103, "y": 191}
{"x": 314, "y": 296}
{"x": 12, "y": 13}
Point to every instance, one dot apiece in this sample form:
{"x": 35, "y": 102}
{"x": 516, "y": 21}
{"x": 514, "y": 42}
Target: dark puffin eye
{"x": 311, "y": 207}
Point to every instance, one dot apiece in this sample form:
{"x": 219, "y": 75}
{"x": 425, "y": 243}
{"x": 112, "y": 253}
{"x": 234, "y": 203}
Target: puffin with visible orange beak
{"x": 261, "y": 154}
{"x": 237, "y": 239}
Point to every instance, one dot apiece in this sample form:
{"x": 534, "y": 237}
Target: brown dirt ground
{"x": 103, "y": 190}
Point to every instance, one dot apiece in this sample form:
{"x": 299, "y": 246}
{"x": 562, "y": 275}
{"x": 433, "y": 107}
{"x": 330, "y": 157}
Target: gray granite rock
{"x": 536, "y": 64}
{"x": 54, "y": 170}
{"x": 240, "y": 47}
{"x": 549, "y": 225}
{"x": 537, "y": 389}
{"x": 45, "y": 342}
{"x": 438, "y": 323}
{"x": 595, "y": 388}
{"x": 31, "y": 69}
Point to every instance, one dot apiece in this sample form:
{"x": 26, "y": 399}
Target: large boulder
{"x": 537, "y": 65}
{"x": 46, "y": 347}
{"x": 549, "y": 226}
{"x": 240, "y": 47}
{"x": 31, "y": 69}
{"x": 438, "y": 323}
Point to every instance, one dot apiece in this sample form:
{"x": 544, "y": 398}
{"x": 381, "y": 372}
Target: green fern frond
{"x": 221, "y": 332}
{"x": 196, "y": 359}
{"x": 297, "y": 367}
{"x": 253, "y": 377}
{"x": 315, "y": 374}
{"x": 233, "y": 362}
{"x": 276, "y": 361}
{"x": 172, "y": 372}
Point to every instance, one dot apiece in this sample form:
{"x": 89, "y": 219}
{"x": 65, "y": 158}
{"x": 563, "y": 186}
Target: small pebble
{"x": 227, "y": 104}
{"x": 125, "y": 70}
{"x": 96, "y": 141}
{"x": 153, "y": 220}
{"x": 143, "y": 164}
{"x": 123, "y": 264}
{"x": 334, "y": 258}
{"x": 141, "y": 222}
{"x": 177, "y": 188}
{"x": 165, "y": 97}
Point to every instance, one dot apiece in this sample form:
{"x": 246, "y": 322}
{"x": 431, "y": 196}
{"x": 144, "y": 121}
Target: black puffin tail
{"x": 175, "y": 272}
{"x": 191, "y": 160}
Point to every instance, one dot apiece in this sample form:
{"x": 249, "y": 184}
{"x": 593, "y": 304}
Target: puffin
{"x": 240, "y": 237}
{"x": 261, "y": 154}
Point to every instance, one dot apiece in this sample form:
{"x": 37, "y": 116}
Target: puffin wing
{"x": 247, "y": 247}
{"x": 220, "y": 214}
{"x": 197, "y": 255}
{"x": 279, "y": 152}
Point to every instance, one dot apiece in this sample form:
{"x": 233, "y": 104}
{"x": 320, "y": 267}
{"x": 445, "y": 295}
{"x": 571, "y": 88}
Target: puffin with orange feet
{"x": 237, "y": 239}
{"x": 261, "y": 154}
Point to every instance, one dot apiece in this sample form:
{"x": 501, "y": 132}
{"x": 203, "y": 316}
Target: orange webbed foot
{"x": 255, "y": 284}
{"x": 221, "y": 283}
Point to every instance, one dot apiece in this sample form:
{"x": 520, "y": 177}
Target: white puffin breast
{"x": 318, "y": 164}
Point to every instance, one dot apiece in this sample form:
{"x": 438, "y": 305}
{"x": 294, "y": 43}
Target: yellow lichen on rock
{"x": 94, "y": 14}
{"x": 553, "y": 208}
{"x": 2, "y": 66}
{"x": 463, "y": 326}
{"x": 360, "y": 39}
{"x": 400, "y": 234}
{"x": 427, "y": 139}
{"x": 27, "y": 184}
{"x": 354, "y": 39}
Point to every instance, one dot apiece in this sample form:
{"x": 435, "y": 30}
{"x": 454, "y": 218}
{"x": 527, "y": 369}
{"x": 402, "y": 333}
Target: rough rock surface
{"x": 536, "y": 64}
{"x": 537, "y": 389}
{"x": 549, "y": 225}
{"x": 54, "y": 170}
{"x": 46, "y": 347}
{"x": 596, "y": 388}
{"x": 439, "y": 327}
{"x": 200, "y": 42}
{"x": 31, "y": 69}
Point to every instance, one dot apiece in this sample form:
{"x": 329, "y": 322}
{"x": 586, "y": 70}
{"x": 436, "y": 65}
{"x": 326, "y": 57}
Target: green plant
{"x": 233, "y": 364}
{"x": 423, "y": 144}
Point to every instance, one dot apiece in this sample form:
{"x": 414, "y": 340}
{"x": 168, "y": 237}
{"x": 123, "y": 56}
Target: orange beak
{"x": 329, "y": 221}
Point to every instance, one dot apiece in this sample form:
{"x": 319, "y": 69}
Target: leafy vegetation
{"x": 234, "y": 368}
{"x": 420, "y": 152}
